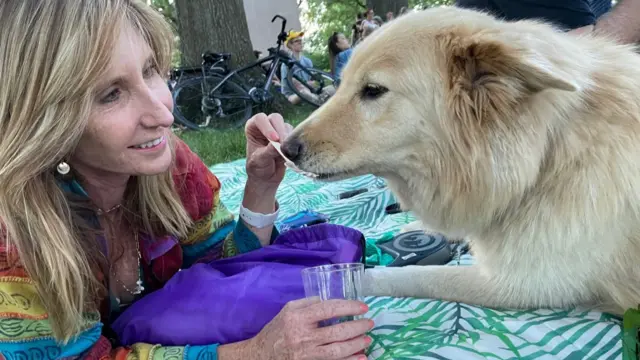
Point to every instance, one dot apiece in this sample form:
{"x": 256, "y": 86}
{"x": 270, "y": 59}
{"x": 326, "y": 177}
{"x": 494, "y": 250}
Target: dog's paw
{"x": 413, "y": 226}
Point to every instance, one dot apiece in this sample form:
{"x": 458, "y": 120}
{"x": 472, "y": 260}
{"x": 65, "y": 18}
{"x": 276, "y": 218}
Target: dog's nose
{"x": 292, "y": 148}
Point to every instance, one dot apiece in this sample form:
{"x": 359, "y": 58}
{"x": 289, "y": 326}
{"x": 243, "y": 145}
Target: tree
{"x": 167, "y": 9}
{"x": 219, "y": 26}
{"x": 340, "y": 15}
{"x": 213, "y": 25}
{"x": 330, "y": 16}
{"x": 423, "y": 4}
{"x": 381, "y": 7}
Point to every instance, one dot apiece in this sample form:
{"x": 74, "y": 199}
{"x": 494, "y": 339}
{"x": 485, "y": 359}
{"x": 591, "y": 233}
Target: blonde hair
{"x": 52, "y": 54}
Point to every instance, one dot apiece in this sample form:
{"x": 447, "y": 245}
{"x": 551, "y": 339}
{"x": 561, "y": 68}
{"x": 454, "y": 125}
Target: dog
{"x": 518, "y": 137}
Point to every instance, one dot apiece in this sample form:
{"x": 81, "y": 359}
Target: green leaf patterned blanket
{"x": 408, "y": 328}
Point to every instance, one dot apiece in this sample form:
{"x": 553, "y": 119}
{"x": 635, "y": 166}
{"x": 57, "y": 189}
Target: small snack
{"x": 290, "y": 163}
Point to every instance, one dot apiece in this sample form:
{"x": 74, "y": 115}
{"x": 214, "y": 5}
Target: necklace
{"x": 139, "y": 288}
{"x": 101, "y": 212}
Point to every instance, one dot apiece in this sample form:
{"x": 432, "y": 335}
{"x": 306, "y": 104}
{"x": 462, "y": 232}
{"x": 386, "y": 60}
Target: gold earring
{"x": 63, "y": 168}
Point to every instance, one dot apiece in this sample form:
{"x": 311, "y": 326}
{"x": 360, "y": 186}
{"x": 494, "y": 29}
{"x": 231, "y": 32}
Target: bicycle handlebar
{"x": 284, "y": 22}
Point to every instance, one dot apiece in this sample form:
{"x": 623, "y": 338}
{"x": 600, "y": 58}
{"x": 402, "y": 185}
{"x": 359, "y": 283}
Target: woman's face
{"x": 370, "y": 15}
{"x": 342, "y": 42}
{"x": 296, "y": 45}
{"x": 130, "y": 120}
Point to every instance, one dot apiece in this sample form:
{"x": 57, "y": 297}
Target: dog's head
{"x": 452, "y": 97}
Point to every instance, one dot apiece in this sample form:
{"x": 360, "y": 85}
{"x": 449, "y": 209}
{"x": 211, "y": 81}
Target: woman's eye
{"x": 372, "y": 92}
{"x": 150, "y": 71}
{"x": 112, "y": 96}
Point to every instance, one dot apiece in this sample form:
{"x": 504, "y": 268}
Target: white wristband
{"x": 258, "y": 220}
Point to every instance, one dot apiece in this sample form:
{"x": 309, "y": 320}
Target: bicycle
{"x": 212, "y": 95}
{"x": 211, "y": 63}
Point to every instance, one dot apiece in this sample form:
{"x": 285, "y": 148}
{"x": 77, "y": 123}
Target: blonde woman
{"x": 100, "y": 204}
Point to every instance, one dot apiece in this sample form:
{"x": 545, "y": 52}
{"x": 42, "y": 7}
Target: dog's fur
{"x": 523, "y": 139}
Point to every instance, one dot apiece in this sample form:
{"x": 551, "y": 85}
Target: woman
{"x": 100, "y": 204}
{"x": 339, "y": 53}
{"x": 369, "y": 24}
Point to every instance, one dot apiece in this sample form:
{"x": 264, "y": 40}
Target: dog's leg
{"x": 413, "y": 226}
{"x": 467, "y": 284}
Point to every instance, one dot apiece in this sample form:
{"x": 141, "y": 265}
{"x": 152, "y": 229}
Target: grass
{"x": 215, "y": 147}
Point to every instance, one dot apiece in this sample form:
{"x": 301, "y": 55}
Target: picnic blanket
{"x": 408, "y": 328}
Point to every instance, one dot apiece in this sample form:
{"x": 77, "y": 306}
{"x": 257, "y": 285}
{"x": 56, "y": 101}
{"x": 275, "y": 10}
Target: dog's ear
{"x": 481, "y": 60}
{"x": 489, "y": 77}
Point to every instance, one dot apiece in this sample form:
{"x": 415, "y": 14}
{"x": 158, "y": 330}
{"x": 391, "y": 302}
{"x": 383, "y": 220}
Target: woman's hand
{"x": 265, "y": 166}
{"x": 294, "y": 333}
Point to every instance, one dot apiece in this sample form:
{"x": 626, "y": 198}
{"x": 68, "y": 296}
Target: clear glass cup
{"x": 336, "y": 281}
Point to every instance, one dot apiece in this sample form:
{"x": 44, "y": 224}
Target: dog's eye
{"x": 372, "y": 92}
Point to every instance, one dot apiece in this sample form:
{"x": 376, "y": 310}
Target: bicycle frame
{"x": 275, "y": 57}
{"x": 276, "y": 60}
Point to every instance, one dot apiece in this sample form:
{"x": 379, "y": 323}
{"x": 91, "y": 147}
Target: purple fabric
{"x": 232, "y": 299}
{"x": 153, "y": 249}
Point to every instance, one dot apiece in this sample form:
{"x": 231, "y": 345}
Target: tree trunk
{"x": 220, "y": 26}
{"x": 381, "y": 7}
{"x": 213, "y": 25}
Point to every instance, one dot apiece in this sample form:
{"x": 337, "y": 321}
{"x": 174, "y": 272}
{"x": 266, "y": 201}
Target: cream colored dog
{"x": 518, "y": 137}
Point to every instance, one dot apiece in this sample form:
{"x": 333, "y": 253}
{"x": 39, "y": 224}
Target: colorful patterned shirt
{"x": 25, "y": 332}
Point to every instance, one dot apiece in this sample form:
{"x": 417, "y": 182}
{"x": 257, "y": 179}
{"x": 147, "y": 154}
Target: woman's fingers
{"x": 271, "y": 127}
{"x": 302, "y": 303}
{"x": 267, "y": 152}
{"x": 343, "y": 331}
{"x": 356, "y": 357}
{"x": 262, "y": 123}
{"x": 277, "y": 122}
{"x": 289, "y": 129}
{"x": 330, "y": 309}
{"x": 344, "y": 349}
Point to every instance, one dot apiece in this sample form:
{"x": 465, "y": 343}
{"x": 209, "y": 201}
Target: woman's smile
{"x": 155, "y": 144}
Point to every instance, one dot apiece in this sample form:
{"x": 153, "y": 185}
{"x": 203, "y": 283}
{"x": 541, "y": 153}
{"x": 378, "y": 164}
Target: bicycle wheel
{"x": 195, "y": 107}
{"x": 317, "y": 90}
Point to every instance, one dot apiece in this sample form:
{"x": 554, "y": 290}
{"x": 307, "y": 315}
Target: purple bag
{"x": 232, "y": 299}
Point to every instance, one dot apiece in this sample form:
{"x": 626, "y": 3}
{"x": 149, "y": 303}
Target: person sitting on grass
{"x": 294, "y": 45}
{"x": 100, "y": 204}
{"x": 339, "y": 53}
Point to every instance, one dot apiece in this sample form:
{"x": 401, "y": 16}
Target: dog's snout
{"x": 292, "y": 148}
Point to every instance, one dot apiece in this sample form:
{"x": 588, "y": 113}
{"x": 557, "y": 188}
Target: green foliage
{"x": 176, "y": 55}
{"x": 320, "y": 60}
{"x": 325, "y": 15}
{"x": 167, "y": 9}
{"x": 330, "y": 16}
{"x": 340, "y": 15}
{"x": 424, "y": 4}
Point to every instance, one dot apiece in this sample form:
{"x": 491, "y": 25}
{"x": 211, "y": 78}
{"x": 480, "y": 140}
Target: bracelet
{"x": 258, "y": 220}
